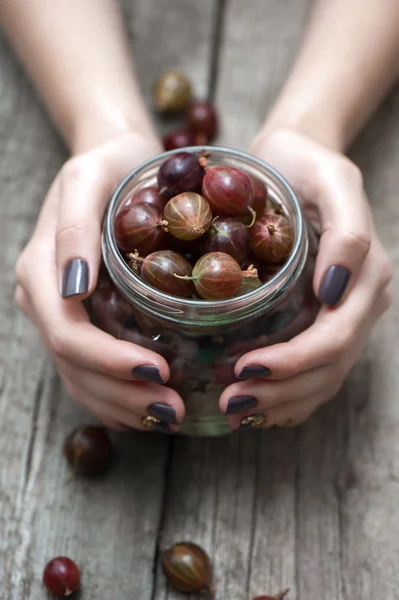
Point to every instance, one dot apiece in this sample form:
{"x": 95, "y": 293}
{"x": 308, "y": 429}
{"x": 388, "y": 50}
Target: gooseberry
{"x": 228, "y": 190}
{"x": 229, "y": 235}
{"x": 172, "y": 91}
{"x": 218, "y": 276}
{"x": 260, "y": 195}
{"x": 188, "y": 568}
{"x": 181, "y": 138}
{"x": 61, "y": 576}
{"x": 179, "y": 173}
{"x": 139, "y": 227}
{"x": 201, "y": 118}
{"x": 88, "y": 450}
{"x": 267, "y": 271}
{"x": 148, "y": 195}
{"x": 188, "y": 216}
{"x": 159, "y": 269}
{"x": 272, "y": 238}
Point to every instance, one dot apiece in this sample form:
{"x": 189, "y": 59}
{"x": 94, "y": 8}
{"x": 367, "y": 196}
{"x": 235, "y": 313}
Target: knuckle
{"x": 78, "y": 167}
{"x": 343, "y": 168}
{"x": 340, "y": 344}
{"x": 386, "y": 271}
{"x": 385, "y": 300}
{"x": 72, "y": 390}
{"x": 20, "y": 298}
{"x": 20, "y": 270}
{"x": 58, "y": 344}
{"x": 358, "y": 242}
{"x": 71, "y": 230}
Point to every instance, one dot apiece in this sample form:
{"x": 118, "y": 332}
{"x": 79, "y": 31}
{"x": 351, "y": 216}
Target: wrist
{"x": 312, "y": 121}
{"x": 94, "y": 128}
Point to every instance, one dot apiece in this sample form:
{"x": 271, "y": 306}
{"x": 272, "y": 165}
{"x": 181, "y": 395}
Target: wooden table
{"x": 314, "y": 509}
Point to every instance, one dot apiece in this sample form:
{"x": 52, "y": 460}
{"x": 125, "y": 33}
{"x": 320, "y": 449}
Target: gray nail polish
{"x": 76, "y": 278}
{"x": 254, "y": 372}
{"x": 238, "y": 404}
{"x": 147, "y": 373}
{"x": 334, "y": 284}
{"x": 164, "y": 412}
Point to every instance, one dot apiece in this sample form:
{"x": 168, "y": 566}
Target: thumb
{"x": 85, "y": 190}
{"x": 345, "y": 231}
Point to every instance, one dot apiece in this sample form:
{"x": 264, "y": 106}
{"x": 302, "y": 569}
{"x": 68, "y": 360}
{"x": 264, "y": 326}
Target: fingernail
{"x": 76, "y": 278}
{"x": 164, "y": 412}
{"x": 148, "y": 373}
{"x": 155, "y": 424}
{"x": 237, "y": 404}
{"x": 254, "y": 372}
{"x": 253, "y": 421}
{"x": 334, "y": 284}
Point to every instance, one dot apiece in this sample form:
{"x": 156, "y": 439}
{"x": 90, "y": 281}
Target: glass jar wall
{"x": 202, "y": 340}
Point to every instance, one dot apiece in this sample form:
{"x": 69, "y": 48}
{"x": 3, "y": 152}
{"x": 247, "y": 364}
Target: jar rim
{"x": 109, "y": 245}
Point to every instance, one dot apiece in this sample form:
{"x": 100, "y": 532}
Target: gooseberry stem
{"x": 253, "y": 214}
{"x": 213, "y": 226}
{"x": 164, "y": 224}
{"x": 251, "y": 272}
{"x": 134, "y": 259}
{"x": 185, "y": 277}
{"x": 271, "y": 229}
{"x": 282, "y": 594}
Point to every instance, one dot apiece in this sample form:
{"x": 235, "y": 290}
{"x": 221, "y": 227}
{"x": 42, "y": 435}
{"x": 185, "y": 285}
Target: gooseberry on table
{"x": 88, "y": 450}
{"x": 180, "y": 138}
{"x": 172, "y": 91}
{"x": 61, "y": 576}
{"x": 201, "y": 119}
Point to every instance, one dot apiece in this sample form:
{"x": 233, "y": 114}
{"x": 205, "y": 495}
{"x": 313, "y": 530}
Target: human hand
{"x": 351, "y": 278}
{"x": 58, "y": 269}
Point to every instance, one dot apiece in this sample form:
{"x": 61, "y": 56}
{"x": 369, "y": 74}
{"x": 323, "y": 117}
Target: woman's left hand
{"x": 352, "y": 275}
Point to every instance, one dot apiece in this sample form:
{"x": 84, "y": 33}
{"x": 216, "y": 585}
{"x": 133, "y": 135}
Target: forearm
{"x": 77, "y": 55}
{"x": 348, "y": 61}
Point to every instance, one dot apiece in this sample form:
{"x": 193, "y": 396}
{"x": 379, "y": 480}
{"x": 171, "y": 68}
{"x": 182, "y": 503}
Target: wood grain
{"x": 312, "y": 509}
{"x": 109, "y": 527}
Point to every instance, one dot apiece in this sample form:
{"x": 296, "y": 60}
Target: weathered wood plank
{"x": 110, "y": 526}
{"x": 314, "y": 509}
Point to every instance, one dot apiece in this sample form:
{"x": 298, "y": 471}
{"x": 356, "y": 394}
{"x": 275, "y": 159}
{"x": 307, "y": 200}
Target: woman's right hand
{"x": 115, "y": 380}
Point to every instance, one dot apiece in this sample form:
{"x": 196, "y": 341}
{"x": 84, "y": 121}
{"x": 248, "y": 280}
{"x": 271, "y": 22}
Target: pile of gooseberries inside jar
{"x": 203, "y": 232}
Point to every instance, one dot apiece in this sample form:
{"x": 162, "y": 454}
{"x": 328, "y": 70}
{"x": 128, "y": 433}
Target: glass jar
{"x": 202, "y": 340}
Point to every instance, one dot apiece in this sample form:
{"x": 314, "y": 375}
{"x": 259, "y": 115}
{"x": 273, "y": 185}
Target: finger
{"x": 139, "y": 398}
{"x": 324, "y": 342}
{"x": 262, "y": 396}
{"x": 345, "y": 230}
{"x": 121, "y": 418}
{"x": 71, "y": 337}
{"x": 85, "y": 189}
{"x": 286, "y": 415}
